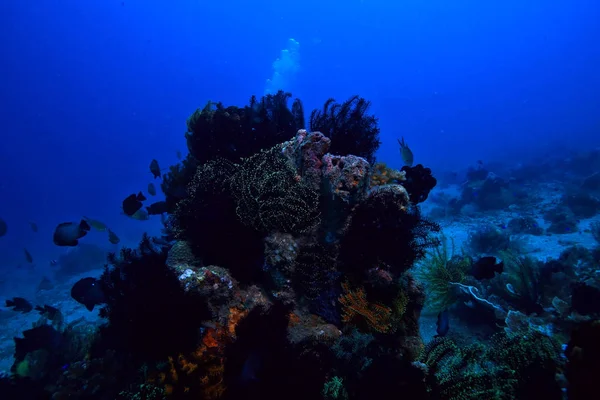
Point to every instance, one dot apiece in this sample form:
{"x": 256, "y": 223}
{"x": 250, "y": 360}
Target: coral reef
{"x": 291, "y": 266}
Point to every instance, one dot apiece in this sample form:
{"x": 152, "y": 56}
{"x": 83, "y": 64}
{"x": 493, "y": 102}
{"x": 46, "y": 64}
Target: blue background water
{"x": 93, "y": 90}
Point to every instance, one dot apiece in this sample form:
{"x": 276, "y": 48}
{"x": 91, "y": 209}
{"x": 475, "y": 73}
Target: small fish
{"x": 151, "y": 189}
{"x": 52, "y": 313}
{"x": 87, "y": 291}
{"x": 405, "y": 153}
{"x": 179, "y": 157}
{"x": 160, "y": 207}
{"x": 44, "y": 285}
{"x": 34, "y": 226}
{"x": 97, "y": 225}
{"x": 69, "y": 233}
{"x": 486, "y": 268}
{"x": 132, "y": 203}
{"x": 140, "y": 215}
{"x": 112, "y": 237}
{"x": 19, "y": 304}
{"x": 155, "y": 169}
{"x": 53, "y": 263}
{"x": 28, "y": 256}
{"x": 3, "y": 227}
{"x": 443, "y": 324}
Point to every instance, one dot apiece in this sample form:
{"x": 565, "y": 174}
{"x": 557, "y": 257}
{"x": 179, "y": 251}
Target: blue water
{"x": 93, "y": 90}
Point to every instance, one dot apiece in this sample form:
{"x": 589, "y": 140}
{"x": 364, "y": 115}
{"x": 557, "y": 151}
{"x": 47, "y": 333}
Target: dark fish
{"x": 151, "y": 189}
{"x": 45, "y": 284}
{"x": 406, "y": 153}
{"x": 28, "y": 256}
{"x": 179, "y": 154}
{"x": 443, "y": 324}
{"x": 155, "y": 169}
{"x": 112, "y": 237}
{"x": 87, "y": 291}
{"x": 3, "y": 227}
{"x": 160, "y": 207}
{"x": 69, "y": 233}
{"x": 43, "y": 337}
{"x": 19, "y": 304}
{"x": 52, "y": 313}
{"x": 485, "y": 268}
{"x": 34, "y": 226}
{"x": 132, "y": 203}
{"x": 53, "y": 263}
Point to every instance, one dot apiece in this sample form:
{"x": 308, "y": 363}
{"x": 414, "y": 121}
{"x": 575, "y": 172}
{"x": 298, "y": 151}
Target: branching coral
{"x": 271, "y": 197}
{"x": 356, "y": 308}
{"x": 441, "y": 268}
{"x": 349, "y": 126}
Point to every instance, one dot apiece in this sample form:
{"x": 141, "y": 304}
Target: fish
{"x": 42, "y": 337}
{"x": 45, "y": 284}
{"x": 406, "y": 153}
{"x": 3, "y": 227}
{"x": 97, "y": 225}
{"x": 28, "y": 256}
{"x": 53, "y": 263}
{"x": 132, "y": 203}
{"x": 69, "y": 233}
{"x": 112, "y": 237}
{"x": 486, "y": 268}
{"x": 151, "y": 189}
{"x": 19, "y": 304}
{"x": 160, "y": 207}
{"x": 87, "y": 291}
{"x": 179, "y": 155}
{"x": 34, "y": 226}
{"x": 155, "y": 169}
{"x": 52, "y": 313}
{"x": 141, "y": 215}
{"x": 443, "y": 323}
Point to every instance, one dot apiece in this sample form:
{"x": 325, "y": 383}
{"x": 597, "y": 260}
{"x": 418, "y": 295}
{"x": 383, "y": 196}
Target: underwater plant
{"x": 523, "y": 281}
{"x": 350, "y": 127}
{"x": 441, "y": 267}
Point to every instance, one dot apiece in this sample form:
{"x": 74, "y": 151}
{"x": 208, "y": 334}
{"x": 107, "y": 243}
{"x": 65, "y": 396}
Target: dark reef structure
{"x": 144, "y": 295}
{"x": 385, "y": 231}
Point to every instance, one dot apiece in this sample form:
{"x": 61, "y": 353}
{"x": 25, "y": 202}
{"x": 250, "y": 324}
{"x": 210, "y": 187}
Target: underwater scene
{"x": 329, "y": 200}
